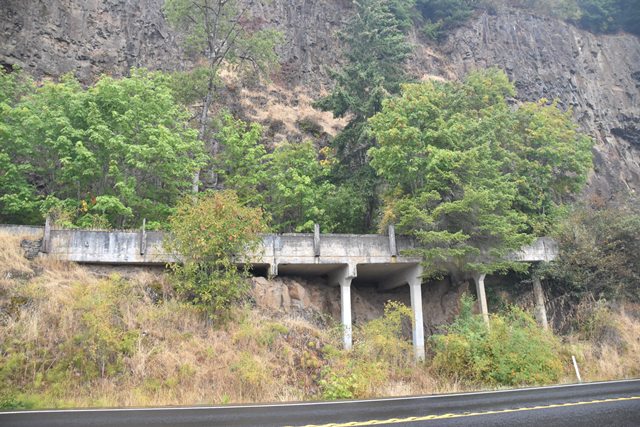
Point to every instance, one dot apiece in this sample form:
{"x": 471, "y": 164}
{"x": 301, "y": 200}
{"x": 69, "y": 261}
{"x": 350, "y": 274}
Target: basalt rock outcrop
{"x": 598, "y": 76}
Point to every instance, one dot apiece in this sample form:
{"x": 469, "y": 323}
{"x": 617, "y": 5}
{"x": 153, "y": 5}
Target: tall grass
{"x": 71, "y": 339}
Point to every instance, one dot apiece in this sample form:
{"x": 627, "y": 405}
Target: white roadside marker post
{"x": 575, "y": 366}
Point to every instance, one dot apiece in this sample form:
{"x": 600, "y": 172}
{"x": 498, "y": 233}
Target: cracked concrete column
{"x": 482, "y": 296}
{"x": 343, "y": 277}
{"x": 541, "y": 311}
{"x": 415, "y": 287}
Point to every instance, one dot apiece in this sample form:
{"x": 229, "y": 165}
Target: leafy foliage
{"x": 241, "y": 163}
{"x": 293, "y": 184}
{"x": 443, "y": 15}
{"x": 513, "y": 350}
{"x": 219, "y": 33}
{"x": 381, "y": 353}
{"x": 298, "y": 188}
{"x": 113, "y": 153}
{"x": 211, "y": 232}
{"x": 471, "y": 178}
{"x": 599, "y": 250}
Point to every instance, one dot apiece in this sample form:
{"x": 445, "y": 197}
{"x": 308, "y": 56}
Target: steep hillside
{"x": 77, "y": 337}
{"x": 596, "y": 75}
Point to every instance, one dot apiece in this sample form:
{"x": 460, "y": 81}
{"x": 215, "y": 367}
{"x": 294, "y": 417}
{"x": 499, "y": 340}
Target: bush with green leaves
{"x": 599, "y": 253}
{"x": 381, "y": 352}
{"x": 211, "y": 232}
{"x": 109, "y": 155}
{"x": 512, "y": 350}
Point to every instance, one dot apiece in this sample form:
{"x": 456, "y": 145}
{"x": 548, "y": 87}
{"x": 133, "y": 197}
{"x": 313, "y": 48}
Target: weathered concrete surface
{"x": 22, "y": 230}
{"x": 126, "y": 247}
{"x": 108, "y": 247}
{"x": 543, "y": 249}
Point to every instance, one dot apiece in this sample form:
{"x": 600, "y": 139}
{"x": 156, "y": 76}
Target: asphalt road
{"x": 595, "y": 404}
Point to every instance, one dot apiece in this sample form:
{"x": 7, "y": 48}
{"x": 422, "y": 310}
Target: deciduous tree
{"x": 218, "y": 33}
{"x": 114, "y": 153}
{"x": 471, "y": 177}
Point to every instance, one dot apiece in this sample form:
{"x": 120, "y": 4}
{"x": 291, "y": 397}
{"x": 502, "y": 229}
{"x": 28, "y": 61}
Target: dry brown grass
{"x": 274, "y": 103}
{"x": 12, "y": 261}
{"x": 609, "y": 359}
{"x": 57, "y": 317}
{"x": 289, "y": 107}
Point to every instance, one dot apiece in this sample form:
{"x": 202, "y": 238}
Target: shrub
{"x": 336, "y": 386}
{"x": 599, "y": 254}
{"x": 211, "y": 232}
{"x": 380, "y": 353}
{"x": 512, "y": 351}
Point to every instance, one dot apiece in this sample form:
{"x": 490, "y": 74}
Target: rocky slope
{"x": 596, "y": 75}
{"x": 312, "y": 299}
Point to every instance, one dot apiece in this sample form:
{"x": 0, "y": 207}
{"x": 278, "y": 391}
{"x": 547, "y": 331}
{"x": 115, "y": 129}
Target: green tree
{"x": 219, "y": 33}
{"x": 241, "y": 163}
{"x": 114, "y": 153}
{"x": 376, "y": 50}
{"x": 470, "y": 177}
{"x": 18, "y": 198}
{"x": 292, "y": 184}
{"x": 211, "y": 232}
{"x": 298, "y": 188}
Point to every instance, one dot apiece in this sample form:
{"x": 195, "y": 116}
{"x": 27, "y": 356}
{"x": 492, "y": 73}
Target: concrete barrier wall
{"x": 135, "y": 247}
{"x": 109, "y": 247}
{"x": 22, "y": 230}
{"x": 543, "y": 249}
{"x": 131, "y": 247}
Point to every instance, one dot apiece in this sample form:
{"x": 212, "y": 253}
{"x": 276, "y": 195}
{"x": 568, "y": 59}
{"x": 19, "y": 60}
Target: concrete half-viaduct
{"x": 340, "y": 258}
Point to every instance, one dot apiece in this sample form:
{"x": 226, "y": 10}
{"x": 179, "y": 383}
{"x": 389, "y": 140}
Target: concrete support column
{"x": 415, "y": 287}
{"x": 482, "y": 296}
{"x": 343, "y": 277}
{"x": 273, "y": 270}
{"x": 541, "y": 311}
{"x": 345, "y": 312}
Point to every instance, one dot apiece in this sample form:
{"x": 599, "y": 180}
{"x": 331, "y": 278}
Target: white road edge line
{"x": 338, "y": 402}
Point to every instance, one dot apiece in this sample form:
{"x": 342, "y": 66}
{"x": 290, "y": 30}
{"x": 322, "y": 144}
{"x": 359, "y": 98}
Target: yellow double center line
{"x": 470, "y": 414}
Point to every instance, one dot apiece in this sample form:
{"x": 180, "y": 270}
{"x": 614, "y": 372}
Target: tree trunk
{"x": 204, "y": 117}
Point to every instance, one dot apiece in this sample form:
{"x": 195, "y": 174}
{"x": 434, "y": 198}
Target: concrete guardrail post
{"x": 46, "y": 238}
{"x": 316, "y": 240}
{"x": 143, "y": 237}
{"x": 392, "y": 241}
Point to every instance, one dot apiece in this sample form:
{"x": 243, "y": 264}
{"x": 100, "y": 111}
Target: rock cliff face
{"x": 596, "y": 75}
